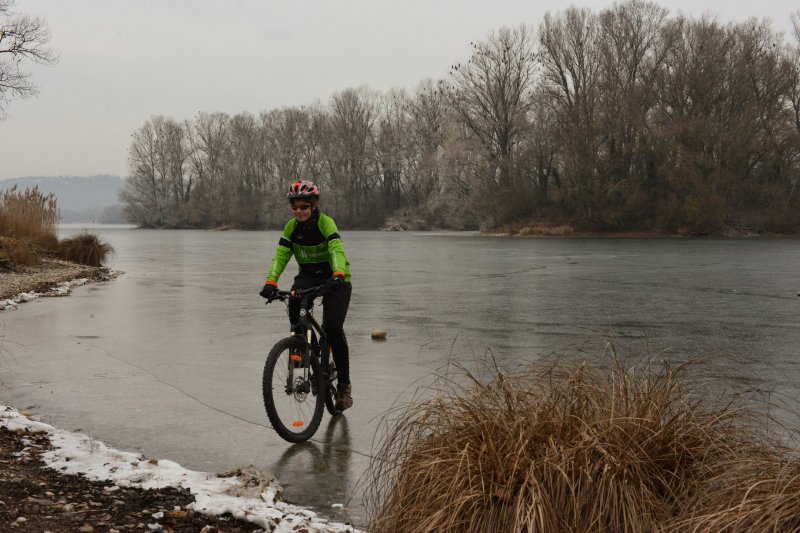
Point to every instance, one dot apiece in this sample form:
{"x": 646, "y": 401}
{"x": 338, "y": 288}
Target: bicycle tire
{"x": 330, "y": 391}
{"x": 302, "y": 411}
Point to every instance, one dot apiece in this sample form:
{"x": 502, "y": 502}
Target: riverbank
{"x": 55, "y": 480}
{"x": 546, "y": 229}
{"x": 52, "y": 277}
{"x": 37, "y": 498}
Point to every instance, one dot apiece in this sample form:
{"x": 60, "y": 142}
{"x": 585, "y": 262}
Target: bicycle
{"x": 297, "y": 379}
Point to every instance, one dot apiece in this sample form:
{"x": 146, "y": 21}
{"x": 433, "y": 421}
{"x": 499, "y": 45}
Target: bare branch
{"x": 23, "y": 40}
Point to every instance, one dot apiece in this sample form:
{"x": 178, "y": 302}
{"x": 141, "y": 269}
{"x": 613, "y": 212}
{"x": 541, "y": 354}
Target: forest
{"x": 626, "y": 119}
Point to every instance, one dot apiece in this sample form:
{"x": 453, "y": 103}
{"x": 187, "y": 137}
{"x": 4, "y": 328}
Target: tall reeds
{"x": 27, "y": 215}
{"x": 27, "y": 219}
{"x": 580, "y": 448}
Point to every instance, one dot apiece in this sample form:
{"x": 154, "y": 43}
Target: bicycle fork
{"x": 297, "y": 375}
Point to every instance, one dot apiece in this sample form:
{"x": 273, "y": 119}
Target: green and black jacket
{"x": 315, "y": 244}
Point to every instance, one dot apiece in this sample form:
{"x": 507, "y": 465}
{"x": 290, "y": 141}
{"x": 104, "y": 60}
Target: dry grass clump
{"x": 579, "y": 449}
{"x": 18, "y": 252}
{"x": 760, "y": 492}
{"x": 550, "y": 231}
{"x": 28, "y": 214}
{"x": 86, "y": 249}
{"x": 47, "y": 244}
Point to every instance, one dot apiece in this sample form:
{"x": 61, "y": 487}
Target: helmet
{"x": 303, "y": 189}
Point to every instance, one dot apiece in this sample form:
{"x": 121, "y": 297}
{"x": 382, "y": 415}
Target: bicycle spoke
{"x": 290, "y": 391}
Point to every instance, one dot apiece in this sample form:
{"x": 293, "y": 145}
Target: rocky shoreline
{"x": 36, "y": 498}
{"x": 52, "y": 277}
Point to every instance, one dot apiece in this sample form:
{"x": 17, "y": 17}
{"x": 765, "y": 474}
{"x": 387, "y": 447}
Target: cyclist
{"x": 312, "y": 238}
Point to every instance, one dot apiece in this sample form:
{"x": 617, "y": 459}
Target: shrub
{"x": 86, "y": 249}
{"x": 579, "y": 449}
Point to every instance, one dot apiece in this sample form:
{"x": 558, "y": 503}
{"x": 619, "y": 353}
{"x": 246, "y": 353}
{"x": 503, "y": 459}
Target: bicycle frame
{"x": 307, "y": 328}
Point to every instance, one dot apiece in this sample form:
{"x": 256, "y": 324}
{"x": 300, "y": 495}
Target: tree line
{"x": 624, "y": 119}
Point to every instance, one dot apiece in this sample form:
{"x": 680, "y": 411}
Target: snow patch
{"x": 60, "y": 289}
{"x": 22, "y": 297}
{"x": 248, "y": 494}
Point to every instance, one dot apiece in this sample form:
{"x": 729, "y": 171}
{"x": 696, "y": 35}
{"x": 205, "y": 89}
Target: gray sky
{"x": 122, "y": 61}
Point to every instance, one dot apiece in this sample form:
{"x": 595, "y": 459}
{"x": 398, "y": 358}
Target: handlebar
{"x": 311, "y": 292}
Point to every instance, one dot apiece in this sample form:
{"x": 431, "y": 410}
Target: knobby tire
{"x": 285, "y": 346}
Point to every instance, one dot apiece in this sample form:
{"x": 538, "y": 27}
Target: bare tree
{"x": 23, "y": 39}
{"x": 539, "y": 160}
{"x": 393, "y": 147}
{"x": 210, "y": 138}
{"x": 633, "y": 42}
{"x": 492, "y": 96}
{"x": 158, "y": 188}
{"x": 793, "y": 70}
{"x": 428, "y": 115}
{"x": 349, "y": 149}
{"x": 248, "y": 172}
{"x": 291, "y": 151}
{"x": 569, "y": 55}
{"x": 794, "y": 58}
{"x": 287, "y": 135}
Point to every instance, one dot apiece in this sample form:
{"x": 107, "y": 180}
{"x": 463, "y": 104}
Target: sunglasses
{"x": 300, "y": 207}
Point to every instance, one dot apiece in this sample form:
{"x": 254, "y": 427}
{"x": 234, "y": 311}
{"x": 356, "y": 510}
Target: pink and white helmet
{"x": 303, "y": 189}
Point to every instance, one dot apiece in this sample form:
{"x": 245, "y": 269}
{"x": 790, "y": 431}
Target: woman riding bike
{"x": 312, "y": 237}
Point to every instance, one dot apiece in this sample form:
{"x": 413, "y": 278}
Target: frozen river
{"x": 167, "y": 359}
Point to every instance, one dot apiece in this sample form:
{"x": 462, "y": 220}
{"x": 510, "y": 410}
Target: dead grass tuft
{"x": 18, "y": 252}
{"x": 577, "y": 448}
{"x": 85, "y": 249}
{"x": 47, "y": 244}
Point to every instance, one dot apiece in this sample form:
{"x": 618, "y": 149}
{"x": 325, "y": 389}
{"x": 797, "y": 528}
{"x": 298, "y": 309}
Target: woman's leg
{"x": 334, "y": 311}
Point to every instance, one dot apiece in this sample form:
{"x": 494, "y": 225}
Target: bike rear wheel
{"x": 291, "y": 386}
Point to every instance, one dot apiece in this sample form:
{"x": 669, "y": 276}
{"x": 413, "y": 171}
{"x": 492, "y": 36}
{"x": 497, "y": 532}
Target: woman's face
{"x": 301, "y": 209}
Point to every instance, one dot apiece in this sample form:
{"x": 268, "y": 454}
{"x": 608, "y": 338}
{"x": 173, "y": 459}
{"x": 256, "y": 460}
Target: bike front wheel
{"x": 293, "y": 389}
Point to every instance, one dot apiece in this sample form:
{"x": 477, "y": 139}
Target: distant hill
{"x": 80, "y": 199}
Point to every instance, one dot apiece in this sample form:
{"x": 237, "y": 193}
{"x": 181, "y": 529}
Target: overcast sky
{"x": 124, "y": 61}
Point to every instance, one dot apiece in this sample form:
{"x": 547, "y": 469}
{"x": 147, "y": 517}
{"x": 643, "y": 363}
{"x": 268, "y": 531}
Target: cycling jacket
{"x": 315, "y": 244}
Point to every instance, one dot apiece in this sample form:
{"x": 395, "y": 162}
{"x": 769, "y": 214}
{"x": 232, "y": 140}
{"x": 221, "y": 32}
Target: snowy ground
{"x": 249, "y": 495}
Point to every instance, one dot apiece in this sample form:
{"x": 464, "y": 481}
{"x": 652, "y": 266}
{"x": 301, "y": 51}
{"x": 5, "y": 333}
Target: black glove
{"x": 336, "y": 281}
{"x": 269, "y": 291}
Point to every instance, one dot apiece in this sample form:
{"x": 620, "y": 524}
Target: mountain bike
{"x": 299, "y": 374}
